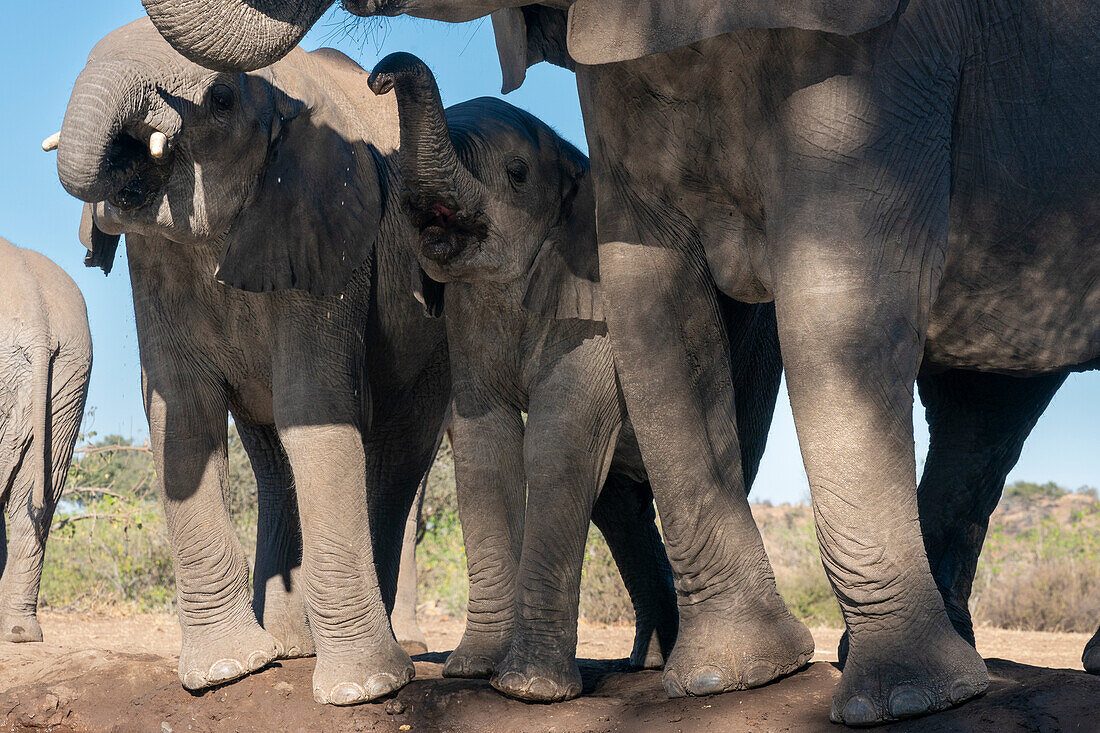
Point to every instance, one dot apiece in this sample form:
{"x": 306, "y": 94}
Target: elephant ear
{"x": 314, "y": 214}
{"x": 527, "y": 35}
{"x": 564, "y": 278}
{"x": 604, "y": 31}
{"x": 101, "y": 246}
{"x": 428, "y": 292}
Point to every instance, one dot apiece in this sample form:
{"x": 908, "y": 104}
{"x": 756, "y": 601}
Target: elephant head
{"x": 495, "y": 194}
{"x": 247, "y": 34}
{"x": 267, "y": 163}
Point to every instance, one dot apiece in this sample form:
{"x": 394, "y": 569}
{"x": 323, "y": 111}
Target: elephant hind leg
{"x": 277, "y": 596}
{"x": 403, "y": 617}
{"x": 24, "y": 550}
{"x": 624, "y": 515}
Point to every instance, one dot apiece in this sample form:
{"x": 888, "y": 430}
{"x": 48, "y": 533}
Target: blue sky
{"x": 43, "y": 46}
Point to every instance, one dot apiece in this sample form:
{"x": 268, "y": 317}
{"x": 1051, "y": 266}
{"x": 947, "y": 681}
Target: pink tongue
{"x": 443, "y": 213}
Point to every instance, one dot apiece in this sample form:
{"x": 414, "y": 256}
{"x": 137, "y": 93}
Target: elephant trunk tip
{"x": 395, "y": 67}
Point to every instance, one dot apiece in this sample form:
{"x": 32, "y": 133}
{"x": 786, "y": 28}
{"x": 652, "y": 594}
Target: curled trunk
{"x": 429, "y": 163}
{"x": 234, "y": 35}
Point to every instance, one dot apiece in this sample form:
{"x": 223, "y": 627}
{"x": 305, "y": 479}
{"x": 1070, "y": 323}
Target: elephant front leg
{"x": 488, "y": 449}
{"x": 674, "y": 365}
{"x": 851, "y": 347}
{"x": 277, "y": 596}
{"x": 358, "y": 658}
{"x": 222, "y": 639}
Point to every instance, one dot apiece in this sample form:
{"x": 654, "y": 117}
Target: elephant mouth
{"x": 446, "y": 229}
{"x": 147, "y": 176}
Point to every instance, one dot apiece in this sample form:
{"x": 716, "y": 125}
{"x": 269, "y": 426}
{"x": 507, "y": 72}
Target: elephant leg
{"x": 567, "y": 453}
{"x": 277, "y": 597}
{"x": 222, "y": 640}
{"x": 317, "y": 417}
{"x": 22, "y": 568}
{"x": 403, "y": 617}
{"x": 488, "y": 450}
{"x": 757, "y": 372}
{"x": 624, "y": 515}
{"x": 977, "y": 424}
{"x": 674, "y": 364}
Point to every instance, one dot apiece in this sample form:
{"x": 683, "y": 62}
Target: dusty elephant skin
{"x": 914, "y": 188}
{"x": 507, "y": 253}
{"x": 45, "y": 363}
{"x": 338, "y": 393}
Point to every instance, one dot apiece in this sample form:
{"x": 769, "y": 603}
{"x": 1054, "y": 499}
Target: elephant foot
{"x": 362, "y": 678}
{"x": 888, "y": 677}
{"x": 525, "y": 677}
{"x": 717, "y": 653}
{"x": 477, "y": 655}
{"x": 1091, "y": 657}
{"x": 211, "y": 657}
{"x": 647, "y": 652}
{"x": 20, "y": 628}
{"x": 290, "y": 628}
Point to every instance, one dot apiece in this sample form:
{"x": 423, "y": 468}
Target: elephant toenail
{"x": 258, "y": 659}
{"x": 381, "y": 684}
{"x": 510, "y": 683}
{"x": 346, "y": 693}
{"x": 759, "y": 675}
{"x": 224, "y": 670}
{"x": 860, "y": 710}
{"x": 194, "y": 680}
{"x": 672, "y": 685}
{"x": 961, "y": 691}
{"x": 706, "y": 681}
{"x": 907, "y": 701}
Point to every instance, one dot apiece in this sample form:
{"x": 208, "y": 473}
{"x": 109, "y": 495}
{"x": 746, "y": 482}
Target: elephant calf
{"x": 506, "y": 220}
{"x": 338, "y": 393}
{"x": 45, "y": 362}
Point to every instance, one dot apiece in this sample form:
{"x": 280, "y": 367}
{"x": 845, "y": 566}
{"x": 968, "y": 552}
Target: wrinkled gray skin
{"x": 914, "y": 188}
{"x": 45, "y": 362}
{"x": 338, "y": 394}
{"x": 507, "y": 249}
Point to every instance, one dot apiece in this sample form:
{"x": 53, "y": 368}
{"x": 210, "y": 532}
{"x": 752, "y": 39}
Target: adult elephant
{"x": 338, "y": 393}
{"x": 45, "y": 363}
{"x": 915, "y": 188}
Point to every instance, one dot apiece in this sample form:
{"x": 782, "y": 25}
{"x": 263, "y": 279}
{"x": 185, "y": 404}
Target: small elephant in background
{"x": 507, "y": 253}
{"x": 45, "y": 364}
{"x": 222, "y": 180}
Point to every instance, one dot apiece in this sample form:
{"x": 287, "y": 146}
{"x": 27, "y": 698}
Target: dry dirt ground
{"x": 118, "y": 673}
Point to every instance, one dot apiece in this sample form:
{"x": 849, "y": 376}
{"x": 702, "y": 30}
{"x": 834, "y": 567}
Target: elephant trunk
{"x": 115, "y": 127}
{"x": 439, "y": 184}
{"x": 234, "y": 35}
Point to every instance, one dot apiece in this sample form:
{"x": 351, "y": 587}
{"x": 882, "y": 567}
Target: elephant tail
{"x": 40, "y": 453}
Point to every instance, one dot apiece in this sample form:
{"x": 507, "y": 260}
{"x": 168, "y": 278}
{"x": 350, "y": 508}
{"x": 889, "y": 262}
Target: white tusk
{"x": 158, "y": 144}
{"x": 51, "y": 142}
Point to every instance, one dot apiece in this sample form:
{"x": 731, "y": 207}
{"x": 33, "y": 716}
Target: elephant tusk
{"x": 158, "y": 145}
{"x": 51, "y": 142}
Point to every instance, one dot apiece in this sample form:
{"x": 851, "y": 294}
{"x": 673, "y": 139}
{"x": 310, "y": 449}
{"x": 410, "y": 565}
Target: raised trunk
{"x": 429, "y": 163}
{"x": 234, "y": 35}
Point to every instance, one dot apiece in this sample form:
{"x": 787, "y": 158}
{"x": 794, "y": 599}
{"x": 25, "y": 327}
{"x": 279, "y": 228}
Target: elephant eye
{"x": 517, "y": 171}
{"x": 221, "y": 100}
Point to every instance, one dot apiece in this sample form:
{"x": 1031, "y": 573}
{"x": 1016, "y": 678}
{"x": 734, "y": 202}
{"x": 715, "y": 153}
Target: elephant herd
{"x": 866, "y": 196}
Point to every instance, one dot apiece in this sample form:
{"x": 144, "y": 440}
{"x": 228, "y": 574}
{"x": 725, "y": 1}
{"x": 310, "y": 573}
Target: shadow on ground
{"x": 44, "y": 686}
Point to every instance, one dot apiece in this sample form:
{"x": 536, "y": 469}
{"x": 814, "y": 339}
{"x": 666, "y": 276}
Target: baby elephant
{"x": 506, "y": 218}
{"x": 45, "y": 361}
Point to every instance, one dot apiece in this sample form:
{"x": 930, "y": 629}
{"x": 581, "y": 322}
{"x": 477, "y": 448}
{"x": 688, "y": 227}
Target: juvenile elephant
{"x": 338, "y": 393}
{"x": 507, "y": 253}
{"x": 45, "y": 362}
{"x": 914, "y": 184}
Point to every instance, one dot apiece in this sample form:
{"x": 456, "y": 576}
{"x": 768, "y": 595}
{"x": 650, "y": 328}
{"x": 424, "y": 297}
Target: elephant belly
{"x": 1020, "y": 291}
